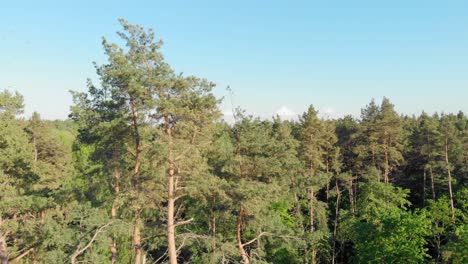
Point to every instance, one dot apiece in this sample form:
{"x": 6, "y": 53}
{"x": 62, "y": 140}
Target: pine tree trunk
{"x": 112, "y": 244}
{"x": 35, "y": 158}
{"x": 212, "y": 221}
{"x": 36, "y": 153}
{"x": 335, "y": 227}
{"x": 297, "y": 205}
{"x": 438, "y": 248}
{"x": 314, "y": 256}
{"x": 170, "y": 220}
{"x": 373, "y": 157}
{"x": 351, "y": 196}
{"x": 328, "y": 181}
{"x": 135, "y": 184}
{"x": 245, "y": 257}
{"x": 3, "y": 250}
{"x": 424, "y": 189}
{"x": 171, "y": 196}
{"x": 387, "y": 165}
{"x": 238, "y": 154}
{"x": 43, "y": 216}
{"x": 312, "y": 209}
{"x": 341, "y": 255}
{"x": 113, "y": 250}
{"x": 137, "y": 239}
{"x": 213, "y": 227}
{"x": 432, "y": 184}
{"x": 449, "y": 178}
{"x": 355, "y": 196}
{"x": 297, "y": 211}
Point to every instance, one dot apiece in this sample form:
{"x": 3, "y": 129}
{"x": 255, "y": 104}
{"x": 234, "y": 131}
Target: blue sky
{"x": 275, "y": 55}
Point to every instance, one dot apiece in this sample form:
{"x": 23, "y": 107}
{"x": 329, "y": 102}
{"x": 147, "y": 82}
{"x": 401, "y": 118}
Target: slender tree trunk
{"x": 373, "y": 157}
{"x": 43, "y": 216}
{"x": 212, "y": 221}
{"x": 34, "y": 165}
{"x": 113, "y": 250}
{"x": 335, "y": 227}
{"x": 387, "y": 165}
{"x": 137, "y": 239}
{"x": 341, "y": 253}
{"x": 311, "y": 202}
{"x": 238, "y": 154}
{"x": 240, "y": 245}
{"x": 171, "y": 196}
{"x": 297, "y": 211}
{"x": 432, "y": 183}
{"x": 297, "y": 205}
{"x": 245, "y": 257}
{"x": 438, "y": 249}
{"x": 137, "y": 249}
{"x": 312, "y": 209}
{"x": 112, "y": 244}
{"x": 449, "y": 178}
{"x": 328, "y": 181}
{"x": 36, "y": 153}
{"x": 355, "y": 196}
{"x": 424, "y": 189}
{"x": 351, "y": 195}
{"x": 116, "y": 176}
{"x": 171, "y": 221}
{"x": 3, "y": 250}
{"x": 213, "y": 227}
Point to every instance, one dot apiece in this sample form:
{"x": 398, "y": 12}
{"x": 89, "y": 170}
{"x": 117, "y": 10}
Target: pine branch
{"x": 22, "y": 255}
{"x": 255, "y": 239}
{"x": 264, "y": 234}
{"x": 80, "y": 251}
{"x": 184, "y": 222}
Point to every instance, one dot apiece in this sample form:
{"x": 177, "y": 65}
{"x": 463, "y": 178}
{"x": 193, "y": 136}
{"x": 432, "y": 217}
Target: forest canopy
{"x": 145, "y": 170}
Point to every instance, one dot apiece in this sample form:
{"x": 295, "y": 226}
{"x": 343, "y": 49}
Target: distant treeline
{"x": 145, "y": 171}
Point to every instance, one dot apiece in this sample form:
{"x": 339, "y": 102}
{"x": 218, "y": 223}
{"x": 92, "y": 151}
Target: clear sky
{"x": 275, "y": 55}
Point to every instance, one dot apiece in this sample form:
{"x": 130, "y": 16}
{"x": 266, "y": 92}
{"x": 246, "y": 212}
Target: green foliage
{"x": 383, "y": 231}
{"x": 456, "y": 251}
{"x": 391, "y": 237}
{"x": 379, "y": 139}
{"x": 378, "y": 189}
{"x": 10, "y": 104}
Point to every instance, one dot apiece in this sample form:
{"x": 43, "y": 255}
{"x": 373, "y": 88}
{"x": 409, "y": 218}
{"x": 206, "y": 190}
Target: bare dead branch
{"x": 180, "y": 196}
{"x": 255, "y": 239}
{"x": 22, "y": 255}
{"x": 184, "y": 222}
{"x": 80, "y": 251}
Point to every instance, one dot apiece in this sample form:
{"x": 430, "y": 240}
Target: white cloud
{"x": 228, "y": 117}
{"x": 328, "y": 113}
{"x": 328, "y": 110}
{"x": 285, "y": 113}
